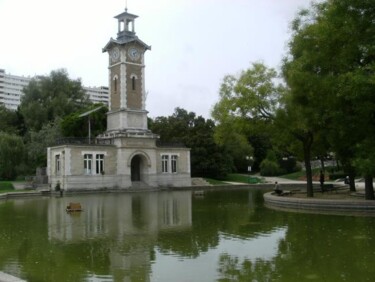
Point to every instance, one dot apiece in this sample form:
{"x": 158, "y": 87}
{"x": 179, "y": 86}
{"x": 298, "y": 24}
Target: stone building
{"x": 128, "y": 154}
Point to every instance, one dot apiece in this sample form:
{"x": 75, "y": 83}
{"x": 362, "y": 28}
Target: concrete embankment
{"x": 320, "y": 205}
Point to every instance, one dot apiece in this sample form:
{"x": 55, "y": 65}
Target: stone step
{"x": 199, "y": 182}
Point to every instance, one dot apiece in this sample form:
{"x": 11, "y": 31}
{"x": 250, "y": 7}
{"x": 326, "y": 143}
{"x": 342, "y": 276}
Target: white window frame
{"x": 88, "y": 164}
{"x": 99, "y": 163}
{"x": 164, "y": 163}
{"x": 57, "y": 164}
{"x": 93, "y": 170}
{"x": 169, "y": 163}
{"x": 174, "y": 163}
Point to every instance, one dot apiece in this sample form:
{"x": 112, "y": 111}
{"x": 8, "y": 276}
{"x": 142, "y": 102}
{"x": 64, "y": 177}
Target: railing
{"x": 83, "y": 141}
{"x": 109, "y": 141}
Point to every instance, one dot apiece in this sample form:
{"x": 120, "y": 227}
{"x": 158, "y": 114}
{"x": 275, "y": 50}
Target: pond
{"x": 225, "y": 235}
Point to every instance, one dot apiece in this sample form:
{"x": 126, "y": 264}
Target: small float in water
{"x": 74, "y": 207}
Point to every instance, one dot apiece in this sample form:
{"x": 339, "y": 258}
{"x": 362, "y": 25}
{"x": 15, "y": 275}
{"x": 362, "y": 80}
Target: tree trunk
{"x": 322, "y": 163}
{"x": 307, "y": 156}
{"x": 352, "y": 180}
{"x": 369, "y": 188}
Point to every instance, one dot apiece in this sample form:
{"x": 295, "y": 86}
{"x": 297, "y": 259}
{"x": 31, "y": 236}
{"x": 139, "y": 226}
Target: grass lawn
{"x": 214, "y": 181}
{"x": 6, "y": 186}
{"x": 300, "y": 174}
{"x": 295, "y": 175}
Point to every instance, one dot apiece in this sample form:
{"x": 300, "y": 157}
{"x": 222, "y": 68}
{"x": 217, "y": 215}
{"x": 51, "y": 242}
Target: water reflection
{"x": 223, "y": 261}
{"x": 173, "y": 236}
{"x": 129, "y": 224}
{"x": 119, "y": 216}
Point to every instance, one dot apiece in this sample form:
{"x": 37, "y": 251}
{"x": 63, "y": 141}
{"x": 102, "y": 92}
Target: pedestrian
{"x": 277, "y": 189}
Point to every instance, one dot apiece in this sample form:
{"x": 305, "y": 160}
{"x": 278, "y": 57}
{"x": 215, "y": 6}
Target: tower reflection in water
{"x": 124, "y": 226}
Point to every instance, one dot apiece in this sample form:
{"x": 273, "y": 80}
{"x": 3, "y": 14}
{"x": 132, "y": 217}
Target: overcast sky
{"x": 195, "y": 43}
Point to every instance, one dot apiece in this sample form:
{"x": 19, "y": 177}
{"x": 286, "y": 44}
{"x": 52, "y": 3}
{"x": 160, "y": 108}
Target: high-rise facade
{"x": 11, "y": 90}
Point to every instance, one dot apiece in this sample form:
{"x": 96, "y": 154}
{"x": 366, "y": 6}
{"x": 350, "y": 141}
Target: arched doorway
{"x": 136, "y": 168}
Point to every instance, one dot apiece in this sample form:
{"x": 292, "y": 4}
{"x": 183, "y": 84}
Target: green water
{"x": 175, "y": 236}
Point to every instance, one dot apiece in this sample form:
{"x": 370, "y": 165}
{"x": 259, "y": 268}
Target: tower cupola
{"x": 126, "y": 28}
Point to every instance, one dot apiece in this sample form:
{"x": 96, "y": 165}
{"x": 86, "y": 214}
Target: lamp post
{"x": 250, "y": 162}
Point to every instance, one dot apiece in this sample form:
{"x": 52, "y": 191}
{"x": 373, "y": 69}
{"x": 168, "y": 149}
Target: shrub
{"x": 269, "y": 168}
{"x": 11, "y": 155}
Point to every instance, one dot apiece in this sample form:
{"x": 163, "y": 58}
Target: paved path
{"x": 269, "y": 179}
{"x": 4, "y": 277}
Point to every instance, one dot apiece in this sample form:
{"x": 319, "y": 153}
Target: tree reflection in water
{"x": 226, "y": 235}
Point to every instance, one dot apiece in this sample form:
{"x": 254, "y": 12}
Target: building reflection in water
{"x": 128, "y": 224}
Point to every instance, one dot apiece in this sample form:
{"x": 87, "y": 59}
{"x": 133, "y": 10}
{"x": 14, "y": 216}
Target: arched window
{"x": 115, "y": 79}
{"x": 133, "y": 83}
{"x": 133, "y": 78}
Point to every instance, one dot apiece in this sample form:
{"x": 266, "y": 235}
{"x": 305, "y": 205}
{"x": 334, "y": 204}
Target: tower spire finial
{"x": 126, "y": 5}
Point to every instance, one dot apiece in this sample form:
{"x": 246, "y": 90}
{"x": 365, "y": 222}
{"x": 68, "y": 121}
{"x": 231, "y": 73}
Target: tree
{"x": 49, "y": 97}
{"x": 253, "y": 95}
{"x": 8, "y": 120}
{"x": 208, "y": 159}
{"x": 75, "y": 126}
{"x": 11, "y": 155}
{"x": 330, "y": 69}
{"x": 39, "y": 141}
{"x": 246, "y": 108}
{"x": 292, "y": 128}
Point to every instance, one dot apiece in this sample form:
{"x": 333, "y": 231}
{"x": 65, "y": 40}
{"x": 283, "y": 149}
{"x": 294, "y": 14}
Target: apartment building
{"x": 98, "y": 94}
{"x": 11, "y": 90}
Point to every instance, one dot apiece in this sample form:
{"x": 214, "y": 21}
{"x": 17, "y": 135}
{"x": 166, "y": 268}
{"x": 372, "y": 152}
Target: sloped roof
{"x": 124, "y": 41}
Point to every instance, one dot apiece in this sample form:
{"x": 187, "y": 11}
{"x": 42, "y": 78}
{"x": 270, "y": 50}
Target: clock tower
{"x": 127, "y": 155}
{"x": 126, "y": 64}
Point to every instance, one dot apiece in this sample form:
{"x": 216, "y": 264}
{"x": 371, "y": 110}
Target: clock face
{"x": 115, "y": 54}
{"x": 134, "y": 54}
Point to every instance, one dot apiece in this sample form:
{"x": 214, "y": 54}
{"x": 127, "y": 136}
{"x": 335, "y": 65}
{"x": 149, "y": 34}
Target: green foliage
{"x": 236, "y": 144}
{"x": 50, "y": 97}
{"x": 214, "y": 181}
{"x": 270, "y": 166}
{"x": 6, "y": 186}
{"x": 208, "y": 159}
{"x": 39, "y": 141}
{"x": 11, "y": 155}
{"x": 8, "y": 120}
{"x": 365, "y": 157}
{"x": 75, "y": 126}
{"x": 253, "y": 95}
{"x": 245, "y": 112}
{"x": 329, "y": 70}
